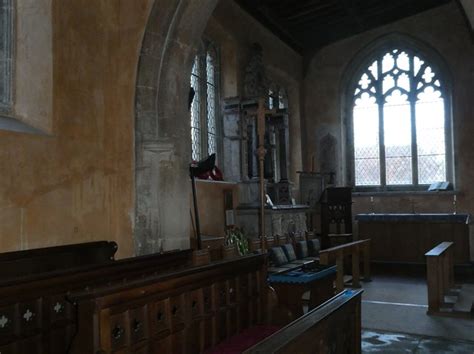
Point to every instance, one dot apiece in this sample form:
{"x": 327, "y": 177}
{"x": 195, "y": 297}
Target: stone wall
{"x": 162, "y": 136}
{"x": 468, "y": 6}
{"x": 445, "y": 30}
{"x": 235, "y": 31}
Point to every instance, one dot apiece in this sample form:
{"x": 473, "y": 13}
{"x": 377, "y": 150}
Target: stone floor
{"x": 399, "y": 304}
{"x": 397, "y": 343}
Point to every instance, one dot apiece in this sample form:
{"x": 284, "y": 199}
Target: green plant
{"x": 236, "y": 236}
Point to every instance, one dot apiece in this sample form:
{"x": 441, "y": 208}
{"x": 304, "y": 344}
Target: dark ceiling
{"x": 307, "y": 25}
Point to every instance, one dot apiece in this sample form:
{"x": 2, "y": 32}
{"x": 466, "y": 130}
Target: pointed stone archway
{"x": 162, "y": 141}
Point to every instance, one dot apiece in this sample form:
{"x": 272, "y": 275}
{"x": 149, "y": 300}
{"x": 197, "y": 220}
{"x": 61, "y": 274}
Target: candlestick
{"x": 454, "y": 204}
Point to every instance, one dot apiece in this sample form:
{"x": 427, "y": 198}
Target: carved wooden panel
{"x": 188, "y": 317}
{"x": 119, "y": 330}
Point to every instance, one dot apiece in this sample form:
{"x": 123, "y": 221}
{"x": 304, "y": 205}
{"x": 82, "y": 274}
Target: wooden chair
{"x": 336, "y": 216}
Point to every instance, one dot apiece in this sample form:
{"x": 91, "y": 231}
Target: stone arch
{"x": 162, "y": 142}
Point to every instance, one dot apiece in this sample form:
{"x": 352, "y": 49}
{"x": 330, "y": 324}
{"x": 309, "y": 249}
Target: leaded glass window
{"x": 399, "y": 122}
{"x": 277, "y": 97}
{"x": 205, "y": 137}
{"x": 6, "y": 28}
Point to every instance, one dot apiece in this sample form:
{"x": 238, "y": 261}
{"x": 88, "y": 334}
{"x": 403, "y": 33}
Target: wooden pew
{"x": 440, "y": 274}
{"x": 184, "y": 311}
{"x": 333, "y": 327}
{"x": 338, "y": 253}
{"x": 41, "y": 260}
{"x": 35, "y": 316}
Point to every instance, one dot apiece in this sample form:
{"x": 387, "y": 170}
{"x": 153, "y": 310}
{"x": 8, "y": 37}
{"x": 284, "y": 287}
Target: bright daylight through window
{"x": 399, "y": 123}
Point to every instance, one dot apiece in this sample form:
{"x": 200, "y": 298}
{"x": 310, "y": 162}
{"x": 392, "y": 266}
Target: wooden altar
{"x": 405, "y": 238}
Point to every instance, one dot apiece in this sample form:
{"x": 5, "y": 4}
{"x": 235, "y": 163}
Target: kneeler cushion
{"x": 289, "y": 252}
{"x": 244, "y": 340}
{"x": 302, "y": 249}
{"x": 314, "y": 247}
{"x": 277, "y": 256}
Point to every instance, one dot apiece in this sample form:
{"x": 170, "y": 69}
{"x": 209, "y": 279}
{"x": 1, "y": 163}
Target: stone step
{"x": 465, "y": 300}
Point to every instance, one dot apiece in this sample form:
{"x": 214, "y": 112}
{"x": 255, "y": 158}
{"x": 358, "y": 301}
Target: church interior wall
{"x": 73, "y": 181}
{"x": 445, "y": 30}
{"x": 233, "y": 31}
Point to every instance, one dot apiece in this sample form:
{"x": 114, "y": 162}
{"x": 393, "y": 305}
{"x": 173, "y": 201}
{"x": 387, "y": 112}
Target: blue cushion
{"x": 302, "y": 249}
{"x": 277, "y": 256}
{"x": 289, "y": 252}
{"x": 313, "y": 247}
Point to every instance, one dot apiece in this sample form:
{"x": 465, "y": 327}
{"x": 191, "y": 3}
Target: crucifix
{"x": 261, "y": 151}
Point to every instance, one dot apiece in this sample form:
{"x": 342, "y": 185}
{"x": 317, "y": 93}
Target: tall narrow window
{"x": 6, "y": 29}
{"x": 399, "y": 123}
{"x": 205, "y": 127}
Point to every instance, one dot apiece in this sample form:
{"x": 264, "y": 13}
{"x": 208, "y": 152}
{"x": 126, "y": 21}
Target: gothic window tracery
{"x": 399, "y": 122}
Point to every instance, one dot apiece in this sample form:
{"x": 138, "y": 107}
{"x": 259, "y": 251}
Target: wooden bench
{"x": 41, "y": 260}
{"x": 333, "y": 327}
{"x": 440, "y": 274}
{"x": 186, "y": 311}
{"x": 354, "y": 250}
{"x": 35, "y": 316}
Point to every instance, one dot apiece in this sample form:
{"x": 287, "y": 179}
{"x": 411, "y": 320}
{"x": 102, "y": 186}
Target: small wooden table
{"x": 291, "y": 285}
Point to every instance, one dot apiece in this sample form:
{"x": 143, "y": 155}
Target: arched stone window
{"x": 205, "y": 122}
{"x": 400, "y": 125}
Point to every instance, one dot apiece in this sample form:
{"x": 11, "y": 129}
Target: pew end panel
{"x": 333, "y": 327}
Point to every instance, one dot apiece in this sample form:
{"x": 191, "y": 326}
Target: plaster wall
{"x": 75, "y": 80}
{"x": 445, "y": 30}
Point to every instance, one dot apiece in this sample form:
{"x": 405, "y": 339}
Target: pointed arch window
{"x": 6, "y": 55}
{"x": 205, "y": 123}
{"x": 400, "y": 123}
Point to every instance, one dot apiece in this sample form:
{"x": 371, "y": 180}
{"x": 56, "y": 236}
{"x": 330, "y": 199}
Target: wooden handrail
{"x": 338, "y": 253}
{"x": 311, "y": 333}
{"x": 439, "y": 250}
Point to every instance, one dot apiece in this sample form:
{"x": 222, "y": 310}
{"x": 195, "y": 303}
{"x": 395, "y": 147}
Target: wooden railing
{"x": 337, "y": 255}
{"x": 440, "y": 274}
{"x": 333, "y": 327}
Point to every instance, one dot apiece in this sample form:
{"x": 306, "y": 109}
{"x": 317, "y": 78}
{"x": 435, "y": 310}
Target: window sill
{"x": 15, "y": 125}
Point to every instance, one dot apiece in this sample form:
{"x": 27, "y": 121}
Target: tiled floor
{"x": 385, "y": 342}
